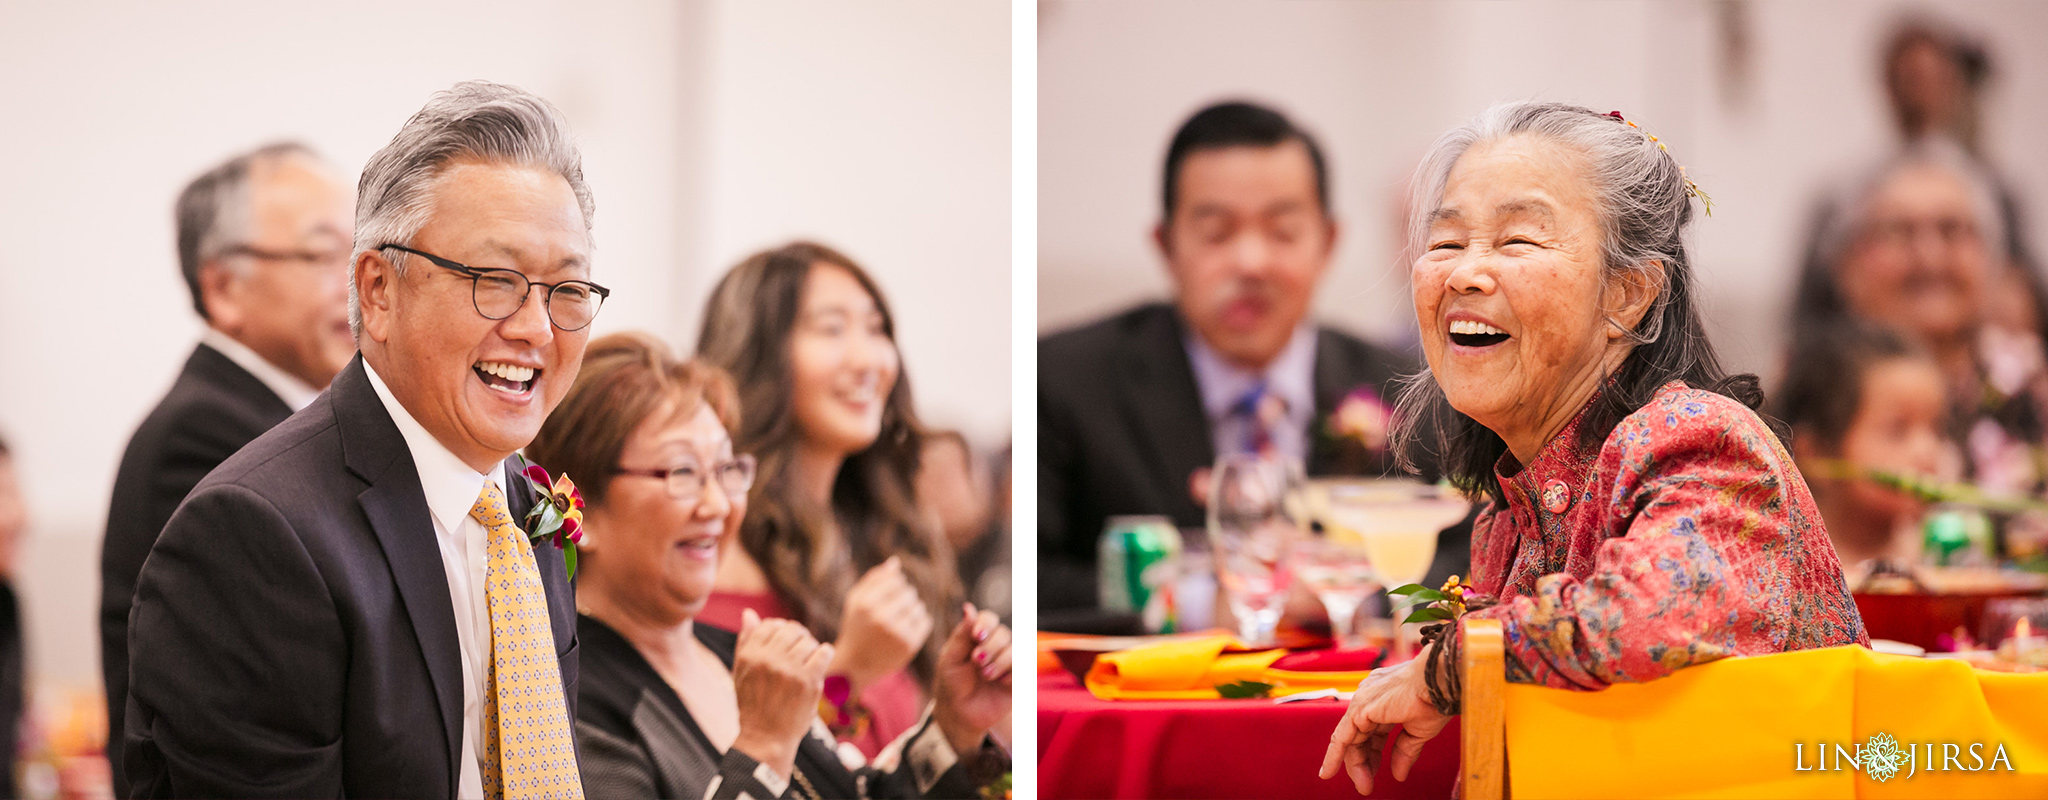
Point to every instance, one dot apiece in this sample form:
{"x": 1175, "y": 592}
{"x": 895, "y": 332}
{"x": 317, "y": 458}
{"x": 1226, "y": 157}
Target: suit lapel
{"x": 1165, "y": 406}
{"x": 397, "y": 510}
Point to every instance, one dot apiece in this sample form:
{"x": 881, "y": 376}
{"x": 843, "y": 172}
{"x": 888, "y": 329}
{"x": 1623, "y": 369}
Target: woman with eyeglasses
{"x": 837, "y": 538}
{"x": 670, "y": 707}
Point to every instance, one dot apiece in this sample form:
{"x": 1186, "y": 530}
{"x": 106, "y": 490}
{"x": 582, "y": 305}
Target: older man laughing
{"x": 347, "y": 606}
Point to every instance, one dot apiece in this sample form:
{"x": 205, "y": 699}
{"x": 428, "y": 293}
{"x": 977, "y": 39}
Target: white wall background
{"x": 709, "y": 130}
{"x": 1378, "y": 81}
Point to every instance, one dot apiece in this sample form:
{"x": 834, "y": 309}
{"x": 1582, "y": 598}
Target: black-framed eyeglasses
{"x": 686, "y": 481}
{"x": 499, "y": 293}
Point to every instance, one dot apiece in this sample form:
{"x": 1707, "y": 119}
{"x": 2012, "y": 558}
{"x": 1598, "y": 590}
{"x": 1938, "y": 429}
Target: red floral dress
{"x": 1688, "y": 536}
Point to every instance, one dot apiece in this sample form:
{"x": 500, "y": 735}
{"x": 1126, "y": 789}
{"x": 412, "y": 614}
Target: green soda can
{"x": 1133, "y": 551}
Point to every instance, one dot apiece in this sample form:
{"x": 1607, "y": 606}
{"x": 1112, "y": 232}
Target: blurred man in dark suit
{"x": 263, "y": 240}
{"x": 349, "y": 607}
{"x": 1133, "y": 407}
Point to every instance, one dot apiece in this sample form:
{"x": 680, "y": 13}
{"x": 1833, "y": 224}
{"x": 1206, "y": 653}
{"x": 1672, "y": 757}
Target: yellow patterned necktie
{"x": 528, "y": 752}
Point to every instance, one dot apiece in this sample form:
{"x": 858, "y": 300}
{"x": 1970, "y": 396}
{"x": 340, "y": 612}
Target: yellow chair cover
{"x": 1731, "y": 729}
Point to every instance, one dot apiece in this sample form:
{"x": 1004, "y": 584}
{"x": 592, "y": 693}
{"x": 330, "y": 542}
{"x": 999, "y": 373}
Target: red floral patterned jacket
{"x": 1688, "y": 536}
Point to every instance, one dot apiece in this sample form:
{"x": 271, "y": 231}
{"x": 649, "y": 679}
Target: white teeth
{"x": 1474, "y": 326}
{"x": 510, "y": 372}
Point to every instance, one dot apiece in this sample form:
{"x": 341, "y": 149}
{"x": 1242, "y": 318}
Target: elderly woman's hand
{"x": 971, "y": 688}
{"x": 1395, "y": 696}
{"x": 883, "y": 627}
{"x": 778, "y": 672}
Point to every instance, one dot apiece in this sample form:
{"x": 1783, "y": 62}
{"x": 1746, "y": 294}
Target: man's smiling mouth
{"x": 504, "y": 377}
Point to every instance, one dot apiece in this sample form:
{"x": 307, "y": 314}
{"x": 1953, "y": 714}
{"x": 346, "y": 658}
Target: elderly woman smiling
{"x": 672, "y": 707}
{"x": 1642, "y": 518}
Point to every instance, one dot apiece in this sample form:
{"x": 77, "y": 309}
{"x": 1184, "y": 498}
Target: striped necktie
{"x": 528, "y": 752}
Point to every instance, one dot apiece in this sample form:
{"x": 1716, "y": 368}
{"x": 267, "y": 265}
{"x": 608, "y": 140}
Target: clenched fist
{"x": 778, "y": 672}
{"x": 883, "y": 627}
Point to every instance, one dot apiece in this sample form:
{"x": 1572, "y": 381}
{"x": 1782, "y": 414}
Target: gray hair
{"x": 1849, "y": 208}
{"x": 213, "y": 211}
{"x": 1644, "y": 208}
{"x": 477, "y": 120}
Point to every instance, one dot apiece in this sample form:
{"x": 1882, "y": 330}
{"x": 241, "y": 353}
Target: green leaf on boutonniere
{"x": 569, "y": 560}
{"x": 1245, "y": 689}
{"x": 546, "y": 522}
{"x": 1431, "y": 614}
{"x": 1409, "y": 589}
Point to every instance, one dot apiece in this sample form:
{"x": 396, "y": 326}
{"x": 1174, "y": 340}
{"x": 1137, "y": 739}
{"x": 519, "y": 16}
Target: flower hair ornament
{"x": 1691, "y": 188}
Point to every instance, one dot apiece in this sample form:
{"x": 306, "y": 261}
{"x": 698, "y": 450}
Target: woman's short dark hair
{"x": 1645, "y": 207}
{"x": 1823, "y": 384}
{"x": 1237, "y": 124}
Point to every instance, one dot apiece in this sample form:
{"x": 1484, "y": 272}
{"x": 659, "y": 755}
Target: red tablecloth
{"x": 1090, "y": 748}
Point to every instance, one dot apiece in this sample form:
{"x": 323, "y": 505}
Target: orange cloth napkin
{"x": 1730, "y": 729}
{"x": 1190, "y": 669}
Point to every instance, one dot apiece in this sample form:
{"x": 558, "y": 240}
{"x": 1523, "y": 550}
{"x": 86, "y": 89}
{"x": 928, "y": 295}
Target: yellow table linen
{"x": 1191, "y": 669}
{"x": 1733, "y": 728}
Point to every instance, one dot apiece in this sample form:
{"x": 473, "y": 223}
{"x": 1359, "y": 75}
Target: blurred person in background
{"x": 1863, "y": 399}
{"x": 1912, "y": 247}
{"x": 75, "y": 768}
{"x": 1131, "y": 409}
{"x": 969, "y": 504}
{"x": 1935, "y": 76}
{"x": 13, "y": 525}
{"x": 673, "y": 706}
{"x": 835, "y": 536}
{"x": 263, "y": 241}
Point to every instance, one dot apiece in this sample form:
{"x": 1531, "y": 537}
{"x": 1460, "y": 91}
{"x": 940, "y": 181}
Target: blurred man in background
{"x": 263, "y": 241}
{"x": 1133, "y": 406}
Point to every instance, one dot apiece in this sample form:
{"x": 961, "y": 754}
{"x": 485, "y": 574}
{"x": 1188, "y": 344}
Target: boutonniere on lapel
{"x": 1362, "y": 419}
{"x": 557, "y": 512}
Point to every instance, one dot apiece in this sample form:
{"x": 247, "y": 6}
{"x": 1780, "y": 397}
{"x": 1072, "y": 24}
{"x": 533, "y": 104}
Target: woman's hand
{"x": 883, "y": 627}
{"x": 778, "y": 671}
{"x": 971, "y": 688}
{"x": 1395, "y": 696}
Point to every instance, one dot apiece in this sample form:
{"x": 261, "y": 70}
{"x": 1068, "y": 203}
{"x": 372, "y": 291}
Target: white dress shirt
{"x": 452, "y": 489}
{"x": 294, "y": 392}
{"x": 1291, "y": 377}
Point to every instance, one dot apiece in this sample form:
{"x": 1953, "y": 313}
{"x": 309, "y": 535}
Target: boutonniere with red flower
{"x": 557, "y": 513}
{"x": 1363, "y": 418}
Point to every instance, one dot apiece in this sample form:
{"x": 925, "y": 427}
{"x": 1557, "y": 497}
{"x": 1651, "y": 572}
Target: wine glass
{"x": 1341, "y": 576}
{"x": 1255, "y": 514}
{"x": 1396, "y": 522}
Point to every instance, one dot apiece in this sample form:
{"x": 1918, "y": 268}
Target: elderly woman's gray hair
{"x": 1644, "y": 205}
{"x": 476, "y": 120}
{"x": 213, "y": 211}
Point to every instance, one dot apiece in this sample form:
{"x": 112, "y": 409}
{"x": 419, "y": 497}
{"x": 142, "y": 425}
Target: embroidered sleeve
{"x": 1710, "y": 547}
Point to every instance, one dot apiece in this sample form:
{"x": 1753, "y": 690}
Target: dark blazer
{"x": 638, "y": 740}
{"x": 213, "y": 409}
{"x": 1121, "y": 428}
{"x": 292, "y": 634}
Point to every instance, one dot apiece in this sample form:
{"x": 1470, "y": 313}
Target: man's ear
{"x": 220, "y": 291}
{"x": 1630, "y": 294}
{"x": 376, "y": 293}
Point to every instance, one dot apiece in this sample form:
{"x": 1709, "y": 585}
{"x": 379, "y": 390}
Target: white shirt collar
{"x": 294, "y": 392}
{"x": 1291, "y": 376}
{"x": 451, "y": 487}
